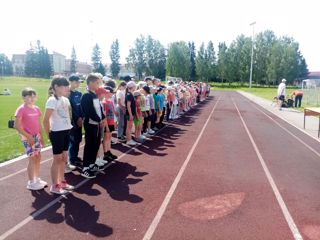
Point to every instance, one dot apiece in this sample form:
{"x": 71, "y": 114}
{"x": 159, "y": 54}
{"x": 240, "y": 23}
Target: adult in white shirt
{"x": 281, "y": 92}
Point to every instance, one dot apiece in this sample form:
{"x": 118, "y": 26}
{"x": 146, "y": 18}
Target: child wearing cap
{"x": 130, "y": 111}
{"x": 28, "y": 125}
{"x": 76, "y": 131}
{"x": 110, "y": 126}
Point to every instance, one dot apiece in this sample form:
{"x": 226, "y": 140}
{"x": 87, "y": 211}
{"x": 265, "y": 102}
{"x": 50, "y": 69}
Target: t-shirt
{"x": 147, "y": 103}
{"x": 130, "y": 98}
{"x": 29, "y": 118}
{"x": 138, "y": 106}
{"x": 121, "y": 94}
{"x": 297, "y": 93}
{"x": 108, "y": 108}
{"x": 60, "y": 119}
{"x": 282, "y": 89}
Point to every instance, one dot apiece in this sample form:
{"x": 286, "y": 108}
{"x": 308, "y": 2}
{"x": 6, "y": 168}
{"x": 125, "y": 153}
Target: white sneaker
{"x": 69, "y": 168}
{"x": 150, "y": 131}
{"x": 143, "y": 137}
{"x": 132, "y": 143}
{"x": 99, "y": 163}
{"x": 34, "y": 186}
{"x": 44, "y": 183}
{"x": 101, "y": 160}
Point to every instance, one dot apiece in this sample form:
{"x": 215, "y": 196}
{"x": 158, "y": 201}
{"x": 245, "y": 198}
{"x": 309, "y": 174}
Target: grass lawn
{"x": 10, "y": 144}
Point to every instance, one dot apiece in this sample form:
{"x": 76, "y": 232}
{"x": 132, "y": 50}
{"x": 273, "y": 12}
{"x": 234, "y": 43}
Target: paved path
{"x": 230, "y": 169}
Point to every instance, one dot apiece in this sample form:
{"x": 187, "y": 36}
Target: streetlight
{"x": 250, "y": 81}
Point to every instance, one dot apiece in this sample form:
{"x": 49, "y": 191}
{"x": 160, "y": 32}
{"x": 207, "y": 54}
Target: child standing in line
{"x": 76, "y": 131}
{"x": 57, "y": 125}
{"x": 137, "y": 120}
{"x": 93, "y": 123}
{"x": 130, "y": 111}
{"x": 109, "y": 110}
{"x": 28, "y": 125}
{"x": 121, "y": 109}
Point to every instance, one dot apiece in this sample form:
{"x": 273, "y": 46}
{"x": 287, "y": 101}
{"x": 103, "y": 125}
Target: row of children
{"x": 100, "y": 111}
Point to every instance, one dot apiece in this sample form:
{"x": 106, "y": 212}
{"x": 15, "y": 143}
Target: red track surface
{"x": 222, "y": 194}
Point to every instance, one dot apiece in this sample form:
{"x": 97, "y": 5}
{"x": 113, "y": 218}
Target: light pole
{"x": 251, "y": 65}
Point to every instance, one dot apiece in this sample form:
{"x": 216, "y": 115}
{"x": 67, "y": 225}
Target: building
{"x": 82, "y": 68}
{"x": 18, "y": 62}
{"x": 58, "y": 62}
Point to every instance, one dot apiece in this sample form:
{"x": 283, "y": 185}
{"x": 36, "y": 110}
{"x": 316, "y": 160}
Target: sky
{"x": 60, "y": 25}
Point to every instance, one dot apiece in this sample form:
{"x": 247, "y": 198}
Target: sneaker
{"x": 34, "y": 186}
{"x": 87, "y": 173}
{"x": 44, "y": 183}
{"x": 140, "y": 139}
{"x": 150, "y": 131}
{"x": 57, "y": 189}
{"x": 112, "y": 156}
{"x": 99, "y": 163}
{"x": 64, "y": 185}
{"x": 69, "y": 168}
{"x": 132, "y": 143}
{"x": 95, "y": 168}
{"x": 105, "y": 160}
{"x": 121, "y": 139}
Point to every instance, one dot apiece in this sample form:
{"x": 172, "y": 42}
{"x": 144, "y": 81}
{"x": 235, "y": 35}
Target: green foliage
{"x": 96, "y": 58}
{"x": 38, "y": 62}
{"x": 155, "y": 58}
{"x": 73, "y": 63}
{"x": 115, "y": 57}
{"x": 192, "y": 52}
{"x": 178, "y": 60}
{"x": 5, "y": 65}
{"x": 136, "y": 58}
{"x": 222, "y": 64}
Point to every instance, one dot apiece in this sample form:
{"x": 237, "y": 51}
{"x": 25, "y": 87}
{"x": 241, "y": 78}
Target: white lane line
{"x": 290, "y": 133}
{"x": 285, "y": 211}
{"x": 153, "y": 226}
{"x": 25, "y": 169}
{"x": 50, "y": 204}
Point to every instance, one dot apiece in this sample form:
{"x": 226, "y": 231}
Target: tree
{"x": 38, "y": 63}
{"x": 192, "y": 52}
{"x": 211, "y": 61}
{"x": 178, "y": 60}
{"x": 222, "y": 66}
{"x": 115, "y": 57}
{"x": 201, "y": 63}
{"x": 73, "y": 63}
{"x": 155, "y": 58}
{"x": 101, "y": 69}
{"x": 136, "y": 58}
{"x": 5, "y": 65}
{"x": 96, "y": 58}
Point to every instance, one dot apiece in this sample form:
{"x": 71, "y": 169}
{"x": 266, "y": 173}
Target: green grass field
{"x": 10, "y": 144}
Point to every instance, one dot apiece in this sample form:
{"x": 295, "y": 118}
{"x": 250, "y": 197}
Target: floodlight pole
{"x": 251, "y": 65}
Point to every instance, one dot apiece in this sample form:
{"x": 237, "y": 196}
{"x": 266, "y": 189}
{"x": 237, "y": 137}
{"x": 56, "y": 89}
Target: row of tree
{"x": 274, "y": 58}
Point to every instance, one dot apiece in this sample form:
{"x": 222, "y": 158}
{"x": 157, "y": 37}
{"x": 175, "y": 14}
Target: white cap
{"x": 131, "y": 84}
{"x": 284, "y": 80}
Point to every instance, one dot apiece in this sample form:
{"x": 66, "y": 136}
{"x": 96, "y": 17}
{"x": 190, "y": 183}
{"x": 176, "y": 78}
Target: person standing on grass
{"x": 93, "y": 123}
{"x": 298, "y": 94}
{"x": 76, "y": 131}
{"x": 57, "y": 125}
{"x": 28, "y": 125}
{"x": 281, "y": 92}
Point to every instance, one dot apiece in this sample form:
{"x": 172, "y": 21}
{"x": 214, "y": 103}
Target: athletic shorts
{"x": 35, "y": 148}
{"x": 137, "y": 121}
{"x": 281, "y": 97}
{"x": 59, "y": 141}
{"x": 111, "y": 128}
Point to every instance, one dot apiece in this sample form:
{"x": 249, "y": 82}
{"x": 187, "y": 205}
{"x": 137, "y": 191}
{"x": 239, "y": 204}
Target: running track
{"x": 227, "y": 170}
